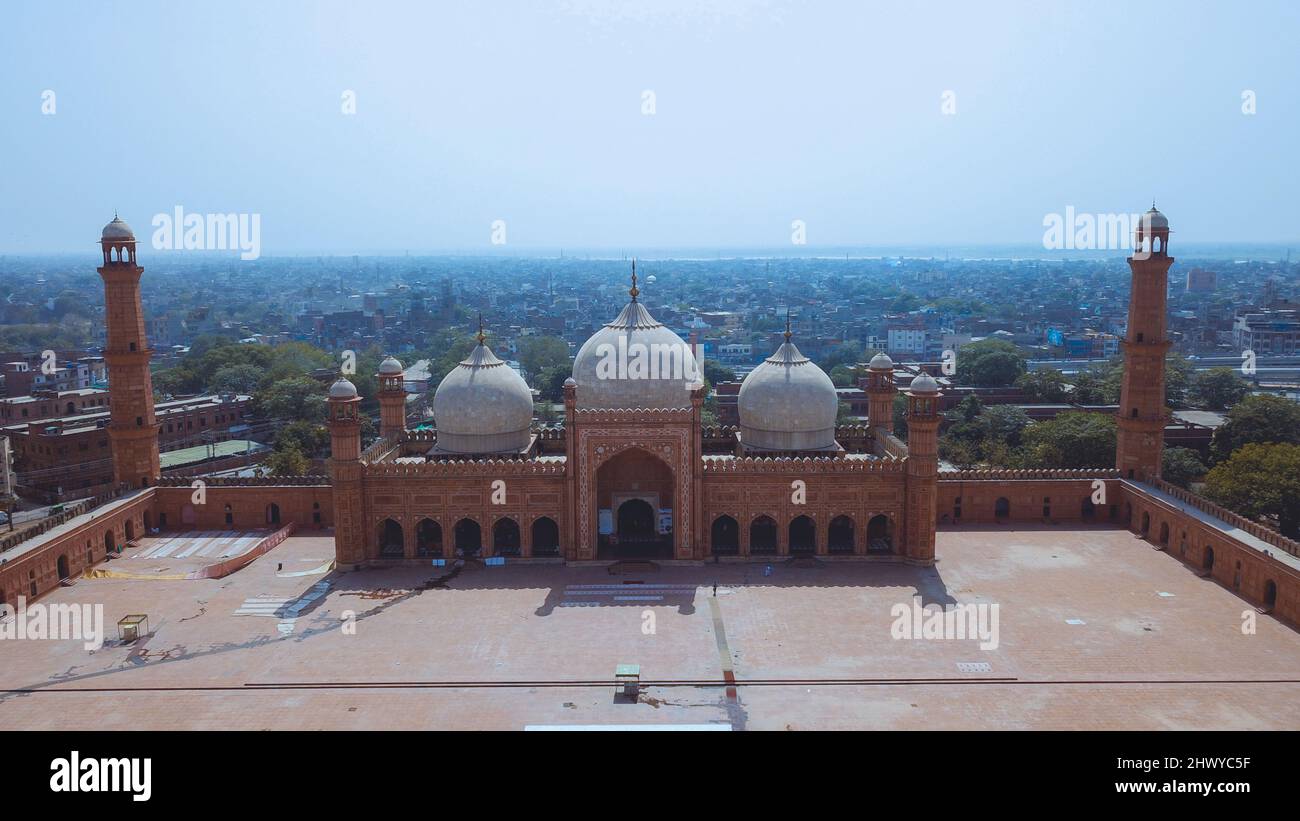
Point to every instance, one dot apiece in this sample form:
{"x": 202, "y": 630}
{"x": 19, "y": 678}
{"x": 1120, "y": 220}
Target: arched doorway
{"x": 635, "y": 507}
{"x": 468, "y": 537}
{"x": 505, "y": 537}
{"x": 428, "y": 538}
{"x": 1270, "y": 593}
{"x": 1164, "y": 534}
{"x": 1002, "y": 508}
{"x": 273, "y": 514}
{"x": 880, "y": 534}
{"x": 391, "y": 543}
{"x": 63, "y": 566}
{"x": 636, "y": 520}
{"x": 1088, "y": 510}
{"x": 130, "y": 531}
{"x": 1146, "y": 523}
{"x": 1207, "y": 560}
{"x": 108, "y": 541}
{"x": 724, "y": 538}
{"x": 546, "y": 537}
{"x": 839, "y": 538}
{"x": 803, "y": 536}
{"x": 762, "y": 536}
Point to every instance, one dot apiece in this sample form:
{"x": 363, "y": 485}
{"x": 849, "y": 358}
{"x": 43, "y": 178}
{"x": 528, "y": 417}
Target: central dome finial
{"x": 787, "y": 324}
{"x": 634, "y": 291}
{"x": 481, "y": 337}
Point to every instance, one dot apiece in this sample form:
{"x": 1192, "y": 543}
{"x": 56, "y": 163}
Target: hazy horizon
{"x": 765, "y": 112}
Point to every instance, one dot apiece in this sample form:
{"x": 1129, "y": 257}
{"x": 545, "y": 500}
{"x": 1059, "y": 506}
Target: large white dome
{"x": 635, "y": 362}
{"x": 788, "y": 403}
{"x": 482, "y": 406}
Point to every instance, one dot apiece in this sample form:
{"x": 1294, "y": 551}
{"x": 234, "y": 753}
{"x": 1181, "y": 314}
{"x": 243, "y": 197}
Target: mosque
{"x": 632, "y": 473}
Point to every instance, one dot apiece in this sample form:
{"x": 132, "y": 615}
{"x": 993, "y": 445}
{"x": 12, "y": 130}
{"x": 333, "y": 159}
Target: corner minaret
{"x": 132, "y": 430}
{"x": 345, "y": 472}
{"x": 1142, "y": 412}
{"x": 392, "y": 397}
{"x": 922, "y": 469}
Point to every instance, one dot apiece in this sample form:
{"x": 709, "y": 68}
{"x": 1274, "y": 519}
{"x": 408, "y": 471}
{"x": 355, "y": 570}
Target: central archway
{"x": 635, "y": 504}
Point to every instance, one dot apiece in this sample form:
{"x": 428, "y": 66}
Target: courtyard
{"x": 1096, "y": 630}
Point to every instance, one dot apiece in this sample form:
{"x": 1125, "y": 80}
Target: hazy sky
{"x": 531, "y": 113}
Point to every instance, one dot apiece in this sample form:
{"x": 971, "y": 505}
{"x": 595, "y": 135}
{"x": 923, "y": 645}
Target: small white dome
{"x": 118, "y": 230}
{"x": 390, "y": 367}
{"x": 925, "y": 383}
{"x": 483, "y": 406}
{"x": 1154, "y": 218}
{"x": 342, "y": 389}
{"x": 788, "y": 403}
{"x": 634, "y": 362}
{"x": 881, "y": 362}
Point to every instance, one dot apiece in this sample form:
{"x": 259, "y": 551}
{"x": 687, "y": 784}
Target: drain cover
{"x": 974, "y": 667}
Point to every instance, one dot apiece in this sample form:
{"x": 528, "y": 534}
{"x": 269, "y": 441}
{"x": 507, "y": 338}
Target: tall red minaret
{"x": 132, "y": 430}
{"x": 345, "y": 472}
{"x": 1142, "y": 412}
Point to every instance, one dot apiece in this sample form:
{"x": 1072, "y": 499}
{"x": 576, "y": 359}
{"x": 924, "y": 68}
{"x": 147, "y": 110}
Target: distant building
{"x": 1274, "y": 332}
{"x": 1200, "y": 281}
{"x": 906, "y": 339}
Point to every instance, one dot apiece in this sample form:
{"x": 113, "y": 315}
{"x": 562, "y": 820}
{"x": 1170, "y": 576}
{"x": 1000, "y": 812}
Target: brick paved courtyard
{"x": 810, "y": 647}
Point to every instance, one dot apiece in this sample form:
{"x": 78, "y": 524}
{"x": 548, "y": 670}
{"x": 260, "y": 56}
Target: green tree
{"x": 1043, "y": 385}
{"x": 1260, "y": 480}
{"x": 308, "y": 438}
{"x": 291, "y": 399}
{"x": 550, "y": 382}
{"x": 1090, "y": 386}
{"x": 716, "y": 372}
{"x": 1217, "y": 389}
{"x": 989, "y": 363}
{"x": 236, "y": 379}
{"x": 536, "y": 353}
{"x": 1077, "y": 439}
{"x": 1255, "y": 419}
{"x": 287, "y": 462}
{"x": 1181, "y": 466}
{"x": 846, "y": 353}
{"x": 844, "y": 376}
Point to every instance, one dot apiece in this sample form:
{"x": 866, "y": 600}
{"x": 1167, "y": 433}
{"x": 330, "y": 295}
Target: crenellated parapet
{"x": 807, "y": 465}
{"x": 638, "y": 416}
{"x": 245, "y": 481}
{"x": 382, "y": 447}
{"x": 1005, "y": 474}
{"x": 494, "y": 468}
{"x": 1204, "y": 505}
